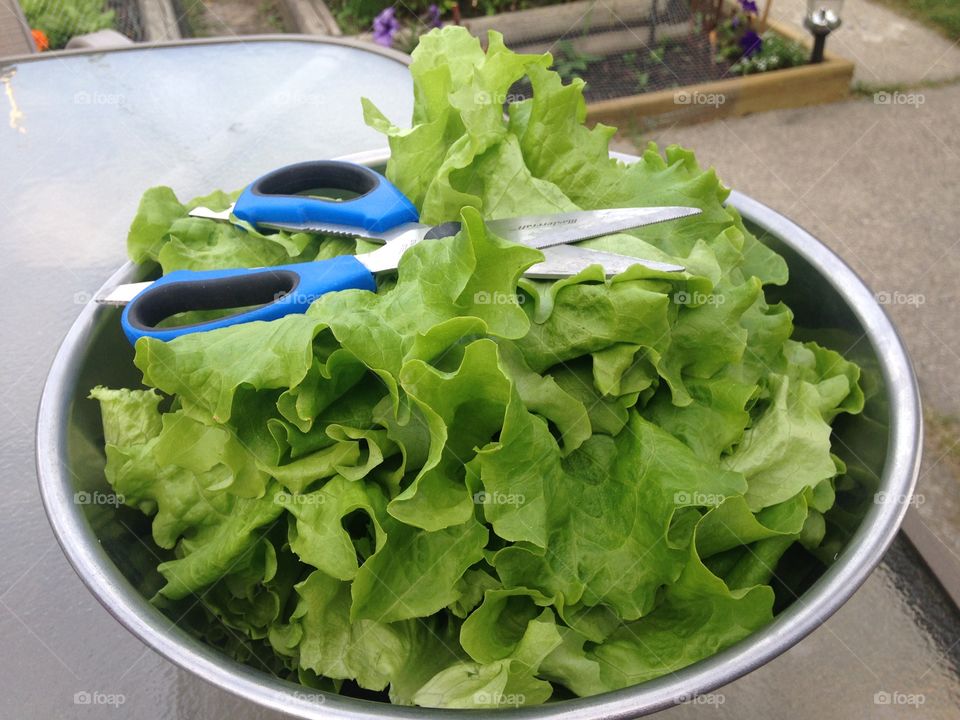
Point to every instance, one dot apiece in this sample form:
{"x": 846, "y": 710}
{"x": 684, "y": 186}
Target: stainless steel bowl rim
{"x": 806, "y": 614}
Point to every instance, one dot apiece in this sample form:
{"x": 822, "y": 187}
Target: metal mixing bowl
{"x": 829, "y": 302}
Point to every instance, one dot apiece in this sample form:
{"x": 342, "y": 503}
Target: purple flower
{"x": 749, "y": 6}
{"x": 433, "y": 16}
{"x": 385, "y": 26}
{"x": 750, "y": 43}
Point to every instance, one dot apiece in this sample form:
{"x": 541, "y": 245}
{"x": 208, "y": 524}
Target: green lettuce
{"x": 471, "y": 489}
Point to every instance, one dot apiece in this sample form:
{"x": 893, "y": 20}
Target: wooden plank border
{"x": 824, "y": 82}
{"x": 570, "y": 21}
{"x": 942, "y": 563}
{"x": 15, "y": 35}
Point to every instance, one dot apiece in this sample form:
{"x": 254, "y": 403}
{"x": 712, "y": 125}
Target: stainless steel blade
{"x": 323, "y": 229}
{"x": 388, "y": 256}
{"x": 565, "y": 260}
{"x": 122, "y": 294}
{"x": 560, "y": 261}
{"x": 318, "y": 228}
{"x": 540, "y": 231}
{"x": 205, "y": 212}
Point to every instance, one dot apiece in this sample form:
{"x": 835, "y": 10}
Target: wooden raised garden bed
{"x": 648, "y": 63}
{"x": 823, "y": 82}
{"x": 622, "y": 26}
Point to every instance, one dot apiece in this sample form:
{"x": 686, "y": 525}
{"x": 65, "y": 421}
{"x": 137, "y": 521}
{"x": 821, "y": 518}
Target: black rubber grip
{"x": 301, "y": 177}
{"x": 447, "y": 229}
{"x": 158, "y": 303}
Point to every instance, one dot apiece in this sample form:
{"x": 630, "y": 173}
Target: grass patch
{"x": 942, "y": 433}
{"x": 867, "y": 89}
{"x": 942, "y": 15}
{"x": 61, "y": 20}
{"x": 193, "y": 18}
{"x": 271, "y": 16}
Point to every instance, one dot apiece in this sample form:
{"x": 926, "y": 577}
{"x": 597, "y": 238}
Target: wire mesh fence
{"x": 674, "y": 63}
{"x": 127, "y": 19}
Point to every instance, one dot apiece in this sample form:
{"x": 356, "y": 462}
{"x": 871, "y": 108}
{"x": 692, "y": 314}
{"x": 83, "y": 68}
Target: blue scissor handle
{"x": 277, "y": 198}
{"x": 278, "y": 291}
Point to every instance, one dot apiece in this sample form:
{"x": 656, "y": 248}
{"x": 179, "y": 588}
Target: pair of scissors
{"x": 296, "y": 198}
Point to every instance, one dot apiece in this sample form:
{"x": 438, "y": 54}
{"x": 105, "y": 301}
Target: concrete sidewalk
{"x": 878, "y": 183}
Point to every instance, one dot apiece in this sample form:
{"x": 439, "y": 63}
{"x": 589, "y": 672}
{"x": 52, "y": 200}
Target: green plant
{"x": 735, "y": 35}
{"x": 697, "y": 23}
{"x": 643, "y": 79}
{"x": 866, "y": 89}
{"x": 657, "y": 55}
{"x": 62, "y": 19}
{"x": 194, "y": 20}
{"x": 569, "y": 62}
{"x": 269, "y": 12}
{"x": 776, "y": 52}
